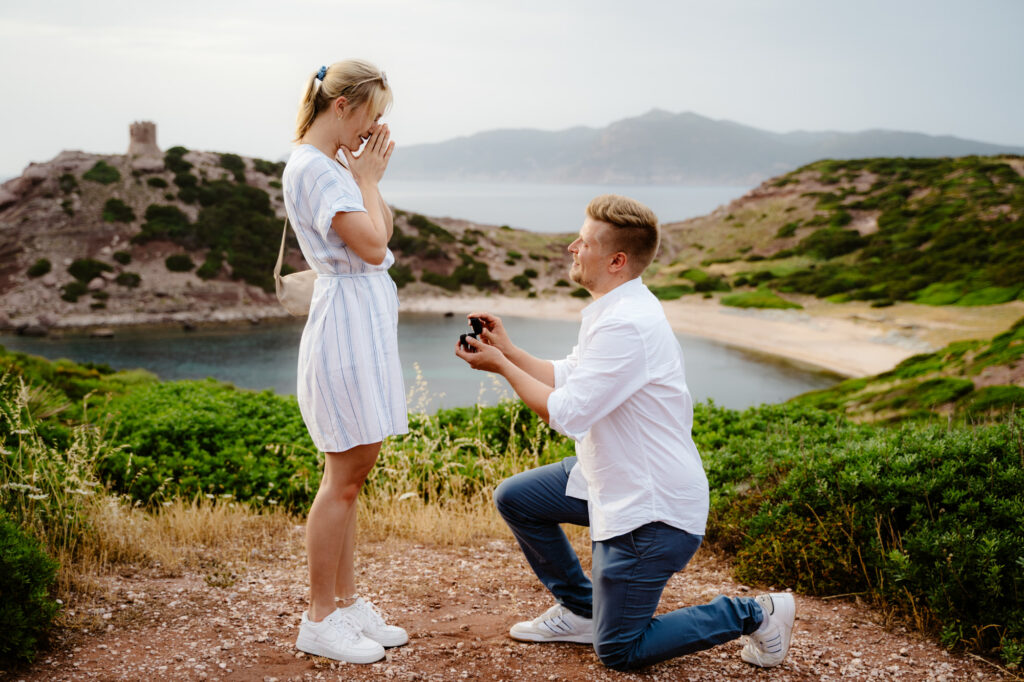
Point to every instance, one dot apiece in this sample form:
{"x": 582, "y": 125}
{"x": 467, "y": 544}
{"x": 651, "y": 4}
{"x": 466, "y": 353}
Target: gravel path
{"x": 240, "y": 622}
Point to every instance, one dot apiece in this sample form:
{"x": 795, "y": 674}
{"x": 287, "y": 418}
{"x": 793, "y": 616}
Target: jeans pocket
{"x": 644, "y": 538}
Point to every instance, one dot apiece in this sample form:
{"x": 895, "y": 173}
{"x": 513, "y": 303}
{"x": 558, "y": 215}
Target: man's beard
{"x": 576, "y": 275}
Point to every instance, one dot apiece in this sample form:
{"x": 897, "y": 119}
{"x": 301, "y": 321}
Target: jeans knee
{"x": 504, "y": 496}
{"x": 616, "y": 656}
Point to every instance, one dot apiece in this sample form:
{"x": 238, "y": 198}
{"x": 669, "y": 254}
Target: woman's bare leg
{"x": 332, "y": 511}
{"x": 345, "y": 583}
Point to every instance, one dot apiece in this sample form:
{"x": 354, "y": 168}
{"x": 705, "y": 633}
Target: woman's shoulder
{"x": 307, "y": 159}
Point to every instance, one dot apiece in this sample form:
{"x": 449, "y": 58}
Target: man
{"x": 636, "y": 479}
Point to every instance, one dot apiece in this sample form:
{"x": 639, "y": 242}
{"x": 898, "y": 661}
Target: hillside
{"x": 192, "y": 236}
{"x": 660, "y": 147}
{"x": 932, "y": 231}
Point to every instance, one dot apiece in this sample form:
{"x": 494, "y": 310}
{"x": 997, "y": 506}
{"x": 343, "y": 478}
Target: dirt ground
{"x": 240, "y": 622}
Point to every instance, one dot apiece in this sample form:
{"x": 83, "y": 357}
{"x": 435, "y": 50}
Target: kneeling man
{"x": 636, "y": 480}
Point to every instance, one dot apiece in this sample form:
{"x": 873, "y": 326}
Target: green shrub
{"x": 213, "y": 263}
{"x": 87, "y": 269}
{"x": 128, "y": 279}
{"x": 27, "y": 610}
{"x": 122, "y": 257}
{"x": 712, "y": 283}
{"x": 831, "y": 242}
{"x": 72, "y": 290}
{"x": 39, "y": 268}
{"x": 165, "y": 222}
{"x": 67, "y": 183}
{"x": 522, "y": 281}
{"x": 102, "y": 173}
{"x": 179, "y": 262}
{"x": 429, "y": 228}
{"x": 116, "y": 211}
{"x": 757, "y": 299}
{"x": 402, "y": 274}
{"x": 562, "y": 283}
{"x": 671, "y": 292}
{"x": 787, "y": 230}
{"x": 156, "y": 182}
{"x": 580, "y": 292}
{"x": 268, "y": 167}
{"x": 174, "y": 160}
{"x": 235, "y": 164}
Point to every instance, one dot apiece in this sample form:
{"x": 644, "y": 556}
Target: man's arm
{"x": 533, "y": 391}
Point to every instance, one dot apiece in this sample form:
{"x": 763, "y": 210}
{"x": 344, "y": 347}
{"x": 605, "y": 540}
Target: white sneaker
{"x": 557, "y": 624}
{"x": 372, "y": 623}
{"x": 337, "y": 636}
{"x": 769, "y": 644}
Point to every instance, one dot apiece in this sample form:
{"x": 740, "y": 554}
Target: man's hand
{"x": 494, "y": 332}
{"x": 483, "y": 357}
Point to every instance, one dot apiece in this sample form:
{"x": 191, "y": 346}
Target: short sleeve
{"x": 332, "y": 195}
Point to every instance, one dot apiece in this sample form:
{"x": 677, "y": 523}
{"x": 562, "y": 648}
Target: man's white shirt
{"x": 621, "y": 394}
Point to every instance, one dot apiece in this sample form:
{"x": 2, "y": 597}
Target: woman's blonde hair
{"x": 357, "y": 79}
{"x": 635, "y": 228}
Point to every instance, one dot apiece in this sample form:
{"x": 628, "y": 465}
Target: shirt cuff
{"x": 561, "y": 371}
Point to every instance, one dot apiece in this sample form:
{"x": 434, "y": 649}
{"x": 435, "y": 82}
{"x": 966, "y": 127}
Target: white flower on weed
{"x": 20, "y": 486}
{"x": 208, "y": 496}
{"x": 406, "y": 496}
{"x": 38, "y": 497}
{"x": 78, "y": 491}
{"x": 167, "y": 504}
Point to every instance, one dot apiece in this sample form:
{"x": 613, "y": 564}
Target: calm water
{"x": 265, "y": 356}
{"x": 545, "y": 208}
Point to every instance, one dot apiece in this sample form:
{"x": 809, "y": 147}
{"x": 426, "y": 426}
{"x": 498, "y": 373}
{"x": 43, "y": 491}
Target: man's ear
{"x": 619, "y": 262}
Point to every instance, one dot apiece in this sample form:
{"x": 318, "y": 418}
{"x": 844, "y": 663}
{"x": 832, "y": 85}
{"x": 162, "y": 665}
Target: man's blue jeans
{"x": 630, "y": 571}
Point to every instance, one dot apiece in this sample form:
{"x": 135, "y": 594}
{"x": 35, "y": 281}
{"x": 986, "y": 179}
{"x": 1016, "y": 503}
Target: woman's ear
{"x": 340, "y": 106}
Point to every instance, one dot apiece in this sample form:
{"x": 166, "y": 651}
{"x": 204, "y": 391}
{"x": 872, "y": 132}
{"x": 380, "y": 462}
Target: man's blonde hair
{"x": 635, "y": 228}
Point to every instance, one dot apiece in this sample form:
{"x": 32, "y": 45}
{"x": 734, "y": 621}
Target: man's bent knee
{"x": 617, "y": 656}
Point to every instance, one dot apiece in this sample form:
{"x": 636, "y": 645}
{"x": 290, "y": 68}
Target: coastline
{"x": 851, "y": 339}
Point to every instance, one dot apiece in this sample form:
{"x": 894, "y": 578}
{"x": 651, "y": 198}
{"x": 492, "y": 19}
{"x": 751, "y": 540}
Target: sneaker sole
{"x": 317, "y": 650}
{"x": 538, "y": 638}
{"x": 386, "y": 642}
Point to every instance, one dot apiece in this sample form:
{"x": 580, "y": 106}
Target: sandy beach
{"x": 850, "y": 339}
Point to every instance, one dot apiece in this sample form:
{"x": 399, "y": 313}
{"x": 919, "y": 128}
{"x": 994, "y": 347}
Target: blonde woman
{"x": 350, "y": 388}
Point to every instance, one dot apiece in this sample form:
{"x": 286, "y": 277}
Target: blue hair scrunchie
{"x": 321, "y": 73}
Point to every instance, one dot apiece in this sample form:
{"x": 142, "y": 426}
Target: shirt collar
{"x": 628, "y": 288}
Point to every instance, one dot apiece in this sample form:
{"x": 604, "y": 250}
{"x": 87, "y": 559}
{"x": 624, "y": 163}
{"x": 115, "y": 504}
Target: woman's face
{"x": 357, "y": 124}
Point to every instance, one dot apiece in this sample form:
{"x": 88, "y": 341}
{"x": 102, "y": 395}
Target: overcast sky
{"x": 226, "y": 76}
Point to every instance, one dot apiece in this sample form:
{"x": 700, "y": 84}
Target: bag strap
{"x": 280, "y": 254}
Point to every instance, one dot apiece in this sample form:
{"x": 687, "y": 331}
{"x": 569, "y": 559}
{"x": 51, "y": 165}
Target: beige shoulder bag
{"x": 294, "y": 291}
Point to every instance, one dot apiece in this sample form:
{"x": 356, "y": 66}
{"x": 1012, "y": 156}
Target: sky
{"x": 221, "y": 75}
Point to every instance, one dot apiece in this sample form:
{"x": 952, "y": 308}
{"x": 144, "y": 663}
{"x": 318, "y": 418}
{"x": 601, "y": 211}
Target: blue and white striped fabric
{"x": 350, "y": 387}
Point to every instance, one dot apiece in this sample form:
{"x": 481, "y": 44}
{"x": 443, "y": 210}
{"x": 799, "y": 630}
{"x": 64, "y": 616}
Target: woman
{"x": 350, "y": 388}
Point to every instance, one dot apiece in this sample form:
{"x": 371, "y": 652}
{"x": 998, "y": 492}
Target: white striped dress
{"x": 350, "y": 387}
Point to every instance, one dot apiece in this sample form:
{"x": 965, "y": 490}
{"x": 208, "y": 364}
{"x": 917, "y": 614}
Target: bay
{"x": 546, "y": 208}
{"x": 265, "y": 357}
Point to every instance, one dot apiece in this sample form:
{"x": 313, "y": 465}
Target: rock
{"x": 32, "y": 330}
{"x": 49, "y": 279}
{"x": 102, "y": 333}
{"x": 148, "y": 164}
{"x": 97, "y": 284}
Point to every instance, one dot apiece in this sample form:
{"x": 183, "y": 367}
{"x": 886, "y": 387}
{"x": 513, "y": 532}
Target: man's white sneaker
{"x": 768, "y": 645}
{"x": 557, "y": 624}
{"x": 369, "y": 619}
{"x": 337, "y": 636}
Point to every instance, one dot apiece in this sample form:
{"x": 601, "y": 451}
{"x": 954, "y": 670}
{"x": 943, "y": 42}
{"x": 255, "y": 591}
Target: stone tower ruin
{"x": 142, "y": 139}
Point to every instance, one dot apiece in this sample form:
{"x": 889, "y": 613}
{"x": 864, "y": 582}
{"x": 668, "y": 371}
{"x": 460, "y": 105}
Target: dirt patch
{"x": 240, "y": 623}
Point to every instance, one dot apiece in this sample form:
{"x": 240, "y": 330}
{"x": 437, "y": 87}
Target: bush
{"x": 562, "y": 283}
{"x": 174, "y": 160}
{"x": 102, "y": 173}
{"x": 116, "y": 211}
{"x": 213, "y": 263}
{"x": 268, "y": 167}
{"x": 122, "y": 257}
{"x": 87, "y": 269}
{"x": 39, "y": 268}
{"x": 27, "y": 610}
{"x": 128, "y": 279}
{"x": 235, "y": 164}
{"x": 72, "y": 290}
{"x": 758, "y": 299}
{"x": 67, "y": 183}
{"x": 428, "y": 228}
{"x": 522, "y": 281}
{"x": 164, "y": 222}
{"x": 158, "y": 183}
{"x": 580, "y": 292}
{"x": 402, "y": 274}
{"x": 671, "y": 292}
{"x": 179, "y": 262}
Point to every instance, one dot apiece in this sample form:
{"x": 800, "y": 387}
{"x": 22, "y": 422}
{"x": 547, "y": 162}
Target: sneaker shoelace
{"x": 370, "y": 611}
{"x": 349, "y": 629}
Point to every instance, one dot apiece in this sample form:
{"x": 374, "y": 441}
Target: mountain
{"x": 660, "y": 148}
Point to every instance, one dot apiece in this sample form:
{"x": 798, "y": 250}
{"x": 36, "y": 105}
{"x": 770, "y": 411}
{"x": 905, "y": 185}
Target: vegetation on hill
{"x": 933, "y": 231}
{"x": 971, "y": 380}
